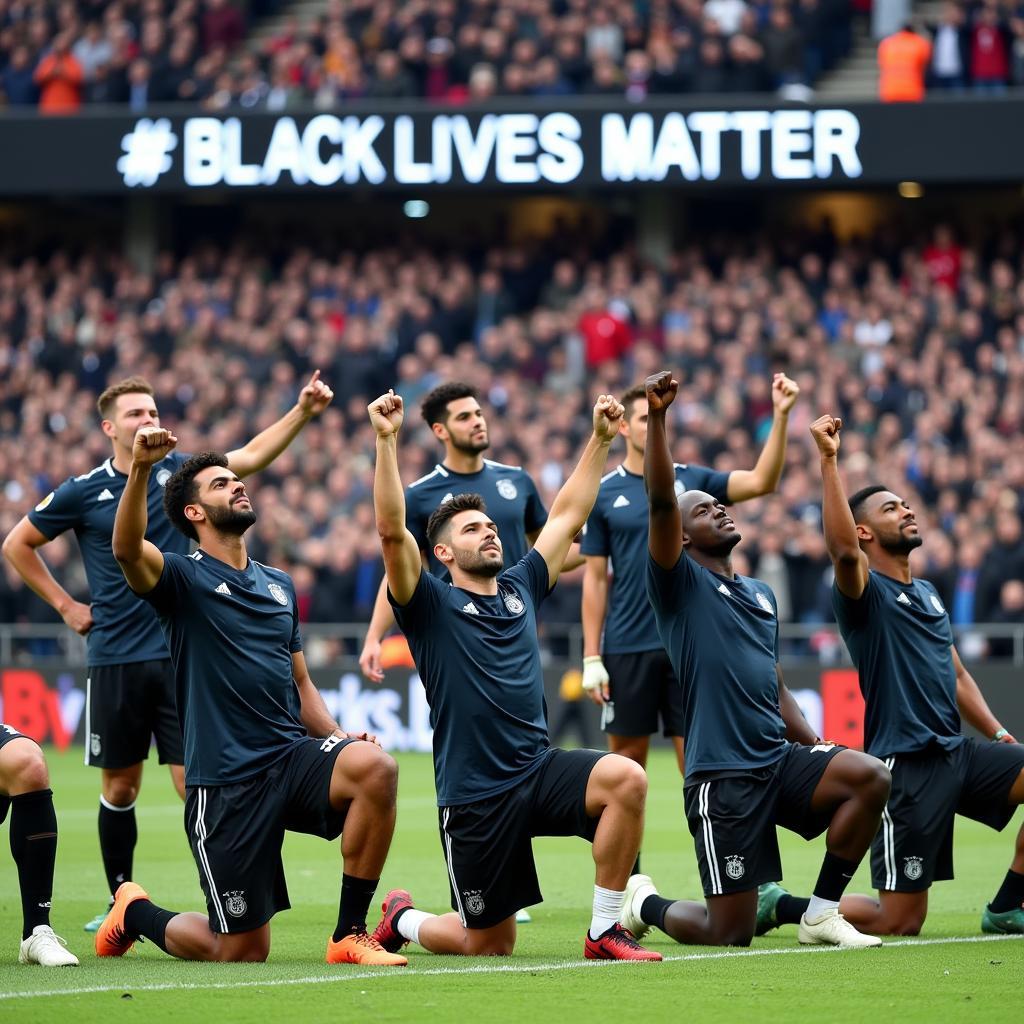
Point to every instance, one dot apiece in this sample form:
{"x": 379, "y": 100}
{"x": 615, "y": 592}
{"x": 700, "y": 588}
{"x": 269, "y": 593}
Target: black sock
{"x": 636, "y": 866}
{"x": 652, "y": 911}
{"x": 118, "y": 834}
{"x": 356, "y": 894}
{"x": 34, "y": 848}
{"x": 790, "y": 909}
{"x": 835, "y": 875}
{"x": 1010, "y": 895}
{"x": 145, "y": 919}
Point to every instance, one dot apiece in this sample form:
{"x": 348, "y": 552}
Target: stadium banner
{"x": 583, "y": 143}
{"x": 48, "y": 704}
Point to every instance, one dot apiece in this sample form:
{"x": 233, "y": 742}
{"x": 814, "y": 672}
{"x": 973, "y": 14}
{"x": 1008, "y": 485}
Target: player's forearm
{"x": 313, "y": 711}
{"x": 593, "y": 609}
{"x": 383, "y": 618}
{"x": 268, "y": 444}
{"x": 132, "y": 516}
{"x": 659, "y": 473}
{"x": 973, "y": 706}
{"x": 767, "y": 472}
{"x": 797, "y": 728}
{"x": 837, "y": 519}
{"x": 575, "y": 501}
{"x": 33, "y": 570}
{"x": 388, "y": 495}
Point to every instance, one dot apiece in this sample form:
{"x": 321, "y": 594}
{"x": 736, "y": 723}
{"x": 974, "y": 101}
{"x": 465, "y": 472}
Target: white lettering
{"x": 361, "y": 159}
{"x": 710, "y": 126}
{"x": 474, "y": 153}
{"x": 236, "y": 172}
{"x": 813, "y": 708}
{"x": 750, "y": 124}
{"x": 562, "y": 159}
{"x": 323, "y": 127}
{"x": 441, "y": 139}
{"x": 407, "y": 170}
{"x": 674, "y": 148}
{"x": 203, "y": 163}
{"x": 626, "y": 151}
{"x": 517, "y": 142}
{"x": 791, "y": 134}
{"x": 836, "y": 134}
{"x": 284, "y": 154}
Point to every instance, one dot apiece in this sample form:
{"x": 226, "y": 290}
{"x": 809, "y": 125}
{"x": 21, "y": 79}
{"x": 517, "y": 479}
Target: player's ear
{"x": 108, "y": 428}
{"x": 443, "y": 554}
{"x": 195, "y": 513}
{"x": 864, "y": 535}
{"x": 440, "y": 431}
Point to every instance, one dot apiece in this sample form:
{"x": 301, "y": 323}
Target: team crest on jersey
{"x": 514, "y": 604}
{"x": 163, "y": 476}
{"x": 94, "y": 745}
{"x": 234, "y": 902}
{"x": 474, "y": 901}
{"x": 734, "y": 867}
{"x": 937, "y": 604}
{"x": 764, "y": 603}
{"x": 507, "y": 489}
{"x": 912, "y": 867}
{"x": 46, "y": 501}
{"x": 277, "y": 593}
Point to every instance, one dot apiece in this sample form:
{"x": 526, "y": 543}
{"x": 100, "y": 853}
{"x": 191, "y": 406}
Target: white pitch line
{"x": 560, "y": 965}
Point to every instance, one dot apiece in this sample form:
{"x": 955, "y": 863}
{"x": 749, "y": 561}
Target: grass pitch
{"x": 951, "y": 972}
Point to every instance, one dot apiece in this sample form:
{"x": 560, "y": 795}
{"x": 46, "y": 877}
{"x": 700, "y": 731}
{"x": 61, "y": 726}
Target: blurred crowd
{"x": 144, "y": 52}
{"x": 918, "y": 343}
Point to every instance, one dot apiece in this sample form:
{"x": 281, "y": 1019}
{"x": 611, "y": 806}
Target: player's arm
{"x": 745, "y": 484}
{"x": 973, "y": 705}
{"x": 851, "y": 564}
{"x": 573, "y": 560}
{"x": 573, "y": 503}
{"x": 402, "y": 561}
{"x": 594, "y": 608}
{"x": 797, "y": 728}
{"x": 665, "y": 526}
{"x": 21, "y": 549}
{"x": 140, "y": 561}
{"x": 382, "y": 621}
{"x": 261, "y": 451}
{"x": 312, "y": 709}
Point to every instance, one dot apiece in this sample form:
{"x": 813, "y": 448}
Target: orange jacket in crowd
{"x": 59, "y": 77}
{"x": 903, "y": 60}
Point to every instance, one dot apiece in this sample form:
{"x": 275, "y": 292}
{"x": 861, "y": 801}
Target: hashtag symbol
{"x": 147, "y": 152}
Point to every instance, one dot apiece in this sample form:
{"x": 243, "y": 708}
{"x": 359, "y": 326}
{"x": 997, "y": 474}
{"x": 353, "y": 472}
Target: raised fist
{"x": 784, "y": 392}
{"x": 825, "y": 431}
{"x": 607, "y": 417}
{"x": 661, "y": 390}
{"x": 315, "y": 396}
{"x": 386, "y": 414}
{"x": 152, "y": 444}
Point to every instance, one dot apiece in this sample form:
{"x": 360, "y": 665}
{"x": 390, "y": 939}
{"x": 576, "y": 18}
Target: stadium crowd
{"x": 143, "y": 52}
{"x": 919, "y": 346}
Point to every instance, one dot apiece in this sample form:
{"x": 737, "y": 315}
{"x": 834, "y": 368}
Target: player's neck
{"x": 121, "y": 459}
{"x": 463, "y": 462}
{"x": 720, "y": 564}
{"x": 486, "y": 586}
{"x": 226, "y": 547}
{"x": 634, "y": 461}
{"x": 896, "y": 567}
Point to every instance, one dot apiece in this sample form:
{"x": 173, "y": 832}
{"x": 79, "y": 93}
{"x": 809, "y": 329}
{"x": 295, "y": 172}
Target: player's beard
{"x": 903, "y": 543}
{"x": 471, "y": 447}
{"x": 476, "y": 564}
{"x": 230, "y": 520}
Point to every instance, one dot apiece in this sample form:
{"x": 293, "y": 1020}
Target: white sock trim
{"x": 409, "y": 924}
{"x": 608, "y": 904}
{"x": 113, "y": 807}
{"x": 817, "y": 907}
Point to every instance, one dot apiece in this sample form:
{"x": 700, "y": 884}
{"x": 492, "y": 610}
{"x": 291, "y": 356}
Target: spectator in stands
{"x": 950, "y": 50}
{"x": 223, "y": 25}
{"x": 92, "y": 49}
{"x": 990, "y": 51}
{"x": 390, "y": 79}
{"x": 140, "y": 89}
{"x": 783, "y": 48}
{"x": 903, "y": 61}
{"x": 1010, "y": 612}
{"x": 18, "y": 79}
{"x": 59, "y": 78}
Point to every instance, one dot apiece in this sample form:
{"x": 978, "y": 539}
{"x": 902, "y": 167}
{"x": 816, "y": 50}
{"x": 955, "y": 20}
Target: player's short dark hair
{"x": 631, "y": 397}
{"x": 181, "y": 489}
{"x": 435, "y": 406}
{"x": 439, "y": 519}
{"x": 857, "y": 500}
{"x": 128, "y": 386}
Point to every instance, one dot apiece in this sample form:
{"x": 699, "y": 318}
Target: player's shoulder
{"x": 763, "y": 593}
{"x": 502, "y": 468}
{"x": 97, "y": 479}
{"x": 275, "y": 574}
{"x": 613, "y": 481}
{"x": 435, "y": 478}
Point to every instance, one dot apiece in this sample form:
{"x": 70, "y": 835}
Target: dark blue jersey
{"x": 722, "y": 637}
{"x": 231, "y": 634}
{"x": 900, "y": 639}
{"x": 124, "y": 629}
{"x": 617, "y": 529}
{"x": 512, "y": 502}
{"x": 479, "y": 661}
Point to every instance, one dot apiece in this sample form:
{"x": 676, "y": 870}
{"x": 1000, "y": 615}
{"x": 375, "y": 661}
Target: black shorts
{"x": 644, "y": 691}
{"x": 127, "y": 705}
{"x": 732, "y": 817}
{"x": 914, "y": 845}
{"x": 236, "y": 832}
{"x": 8, "y": 733}
{"x": 491, "y": 871}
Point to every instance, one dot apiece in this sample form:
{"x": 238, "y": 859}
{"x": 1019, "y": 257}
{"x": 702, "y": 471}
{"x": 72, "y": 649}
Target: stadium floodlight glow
{"x": 416, "y": 209}
{"x": 911, "y": 189}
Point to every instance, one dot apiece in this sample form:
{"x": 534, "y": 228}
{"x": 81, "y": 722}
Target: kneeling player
{"x": 249, "y": 715}
{"x": 499, "y": 783}
{"x": 743, "y": 776}
{"x": 25, "y": 791}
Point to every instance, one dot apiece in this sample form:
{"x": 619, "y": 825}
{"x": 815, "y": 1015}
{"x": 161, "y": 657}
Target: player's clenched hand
{"x": 78, "y": 616}
{"x": 1007, "y": 738}
{"x": 825, "y": 431}
{"x": 595, "y": 679}
{"x": 784, "y": 392}
{"x": 368, "y": 736}
{"x": 608, "y": 412}
{"x": 152, "y": 444}
{"x": 315, "y": 396}
{"x": 369, "y": 661}
{"x": 661, "y": 390}
{"x": 386, "y": 414}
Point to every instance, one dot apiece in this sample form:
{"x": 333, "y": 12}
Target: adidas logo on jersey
{"x": 620, "y": 502}
{"x": 723, "y": 589}
{"x": 104, "y": 495}
{"x": 470, "y": 609}
{"x": 223, "y": 589}
{"x": 903, "y": 599}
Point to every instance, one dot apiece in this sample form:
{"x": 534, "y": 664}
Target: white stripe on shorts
{"x": 888, "y": 838}
{"x": 709, "y": 839}
{"x": 451, "y": 867}
{"x": 88, "y": 702}
{"x": 204, "y": 861}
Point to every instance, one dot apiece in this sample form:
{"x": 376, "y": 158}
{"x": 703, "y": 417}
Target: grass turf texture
{"x": 927, "y": 979}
